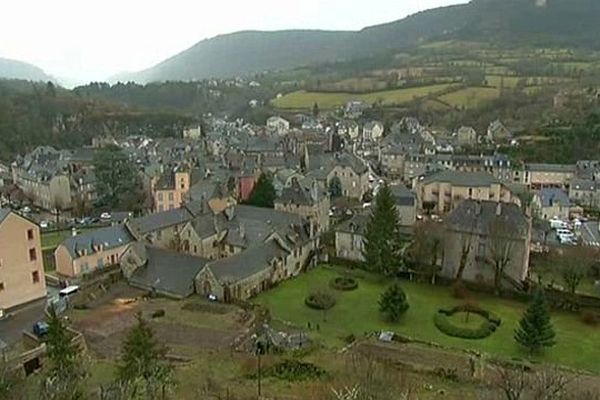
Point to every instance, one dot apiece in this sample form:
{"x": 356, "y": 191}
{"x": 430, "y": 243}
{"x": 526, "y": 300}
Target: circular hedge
{"x": 343, "y": 283}
{"x": 446, "y": 325}
{"x": 320, "y": 301}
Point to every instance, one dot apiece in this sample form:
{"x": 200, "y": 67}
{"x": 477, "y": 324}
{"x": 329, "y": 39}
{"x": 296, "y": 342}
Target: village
{"x": 199, "y": 237}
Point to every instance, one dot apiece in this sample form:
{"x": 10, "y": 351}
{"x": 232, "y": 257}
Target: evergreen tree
{"x": 263, "y": 194}
{"x": 142, "y": 362}
{"x": 316, "y": 110}
{"x": 65, "y": 371}
{"x": 383, "y": 240}
{"x": 535, "y": 328}
{"x": 335, "y": 187}
{"x": 116, "y": 178}
{"x": 393, "y": 303}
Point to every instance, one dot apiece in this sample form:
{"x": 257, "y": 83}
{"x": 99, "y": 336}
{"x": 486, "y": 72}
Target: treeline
{"x": 34, "y": 114}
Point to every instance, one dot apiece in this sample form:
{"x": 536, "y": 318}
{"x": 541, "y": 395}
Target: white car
{"x": 105, "y": 215}
{"x": 556, "y": 223}
{"x": 44, "y": 224}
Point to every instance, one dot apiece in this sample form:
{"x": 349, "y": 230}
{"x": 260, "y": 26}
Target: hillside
{"x": 558, "y": 22}
{"x": 13, "y": 69}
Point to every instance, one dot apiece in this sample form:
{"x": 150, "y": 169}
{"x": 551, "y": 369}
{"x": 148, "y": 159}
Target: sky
{"x": 85, "y": 40}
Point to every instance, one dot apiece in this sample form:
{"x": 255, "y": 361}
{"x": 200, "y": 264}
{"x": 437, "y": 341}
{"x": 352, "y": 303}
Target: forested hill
{"x": 41, "y": 114}
{"x": 12, "y": 69}
{"x": 571, "y": 23}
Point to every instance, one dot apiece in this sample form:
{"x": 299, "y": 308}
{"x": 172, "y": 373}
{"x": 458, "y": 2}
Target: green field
{"x": 470, "y": 97}
{"x": 305, "y": 100}
{"x": 356, "y": 313}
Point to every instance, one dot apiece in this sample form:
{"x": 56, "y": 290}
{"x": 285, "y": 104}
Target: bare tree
{"x": 551, "y": 384}
{"x": 501, "y": 244}
{"x": 512, "y": 382}
{"x": 465, "y": 250}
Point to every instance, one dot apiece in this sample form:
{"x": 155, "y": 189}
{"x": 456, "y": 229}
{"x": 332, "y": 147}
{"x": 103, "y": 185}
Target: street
{"x": 590, "y": 234}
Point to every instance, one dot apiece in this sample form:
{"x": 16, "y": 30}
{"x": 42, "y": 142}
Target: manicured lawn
{"x": 305, "y": 100}
{"x": 52, "y": 239}
{"x": 356, "y": 312}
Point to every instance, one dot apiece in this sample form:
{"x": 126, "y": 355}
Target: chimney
{"x": 498, "y": 209}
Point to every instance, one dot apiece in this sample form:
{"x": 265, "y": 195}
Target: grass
{"x": 51, "y": 240}
{"x": 470, "y": 97}
{"x": 356, "y": 313}
{"x": 305, "y": 100}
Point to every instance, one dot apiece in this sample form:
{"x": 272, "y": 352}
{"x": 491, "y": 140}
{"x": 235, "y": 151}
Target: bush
{"x": 393, "y": 303}
{"x": 344, "y": 283}
{"x": 158, "y": 314}
{"x": 320, "y": 300}
{"x": 487, "y": 327}
{"x": 590, "y": 317}
{"x": 294, "y": 371}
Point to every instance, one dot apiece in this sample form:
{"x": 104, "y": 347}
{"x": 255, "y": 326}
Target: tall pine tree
{"x": 383, "y": 240}
{"x": 535, "y": 329}
{"x": 263, "y": 194}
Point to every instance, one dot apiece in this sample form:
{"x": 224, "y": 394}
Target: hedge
{"x": 487, "y": 327}
{"x": 320, "y": 301}
{"x": 344, "y": 283}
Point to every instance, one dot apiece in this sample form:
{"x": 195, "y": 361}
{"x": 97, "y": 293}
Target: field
{"x": 356, "y": 313}
{"x": 305, "y": 100}
{"x": 470, "y": 97}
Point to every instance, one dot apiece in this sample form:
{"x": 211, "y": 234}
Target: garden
{"x": 357, "y": 312}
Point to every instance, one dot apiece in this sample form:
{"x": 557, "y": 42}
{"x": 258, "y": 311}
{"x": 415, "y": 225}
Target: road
{"x": 590, "y": 234}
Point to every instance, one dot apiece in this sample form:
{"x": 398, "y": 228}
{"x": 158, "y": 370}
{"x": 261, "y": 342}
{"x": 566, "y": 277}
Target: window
{"x": 32, "y": 255}
{"x": 160, "y": 196}
{"x": 1, "y": 286}
{"x": 29, "y": 234}
{"x": 35, "y": 277}
{"x": 171, "y": 197}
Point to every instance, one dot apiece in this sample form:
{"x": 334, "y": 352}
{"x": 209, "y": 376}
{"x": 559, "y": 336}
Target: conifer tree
{"x": 393, "y": 303}
{"x": 383, "y": 240}
{"x": 263, "y": 194}
{"x": 535, "y": 329}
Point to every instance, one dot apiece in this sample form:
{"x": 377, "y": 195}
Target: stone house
{"x": 349, "y": 238}
{"x": 351, "y": 171}
{"x": 466, "y": 136}
{"x": 170, "y": 190}
{"x": 278, "y": 126}
{"x": 91, "y": 250}
{"x": 552, "y": 202}
{"x": 538, "y": 176}
{"x": 482, "y": 232}
{"x": 447, "y": 189}
{"x": 406, "y": 204}
{"x": 585, "y": 193}
{"x": 307, "y": 200}
{"x": 373, "y": 131}
{"x": 160, "y": 229}
{"x": 22, "y": 278}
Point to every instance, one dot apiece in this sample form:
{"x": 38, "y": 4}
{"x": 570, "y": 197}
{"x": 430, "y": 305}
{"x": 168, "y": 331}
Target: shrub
{"x": 344, "y": 283}
{"x": 320, "y": 300}
{"x": 158, "y": 313}
{"x": 293, "y": 371}
{"x": 590, "y": 317}
{"x": 487, "y": 327}
{"x": 393, "y": 303}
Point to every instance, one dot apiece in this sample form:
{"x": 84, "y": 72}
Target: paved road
{"x": 590, "y": 234}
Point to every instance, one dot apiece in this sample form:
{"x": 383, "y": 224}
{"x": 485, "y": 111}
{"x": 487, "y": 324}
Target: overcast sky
{"x": 94, "y": 39}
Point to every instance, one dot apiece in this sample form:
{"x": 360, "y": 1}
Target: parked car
{"x": 105, "y": 216}
{"x": 40, "y": 328}
{"x": 556, "y": 223}
{"x": 44, "y": 224}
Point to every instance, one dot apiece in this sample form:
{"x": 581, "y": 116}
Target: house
{"x": 538, "y": 176}
{"x": 480, "y": 234}
{"x": 91, "y": 250}
{"x": 160, "y": 229}
{"x": 170, "y": 190}
{"x": 552, "y": 203}
{"x": 349, "y": 129}
{"x": 277, "y": 125}
{"x": 466, "y": 136}
{"x": 354, "y": 109}
{"x": 308, "y": 200}
{"x": 246, "y": 274}
{"x": 497, "y": 132}
{"x": 406, "y": 204}
{"x": 350, "y": 172}
{"x": 161, "y": 271}
{"x": 350, "y": 238}
{"x": 447, "y": 189}
{"x": 194, "y": 133}
{"x": 22, "y": 277}
{"x": 373, "y": 131}
{"x": 585, "y": 193}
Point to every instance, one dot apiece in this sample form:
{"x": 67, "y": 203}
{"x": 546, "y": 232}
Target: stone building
{"x": 311, "y": 202}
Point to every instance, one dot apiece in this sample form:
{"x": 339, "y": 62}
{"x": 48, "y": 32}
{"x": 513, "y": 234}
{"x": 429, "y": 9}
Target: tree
{"x": 335, "y": 187}
{"x": 66, "y": 372}
{"x": 465, "y": 250}
{"x": 575, "y": 264}
{"x": 535, "y": 330}
{"x": 427, "y": 248}
{"x": 393, "y": 303}
{"x": 263, "y": 194}
{"x": 315, "y": 110}
{"x": 142, "y": 364}
{"x": 116, "y": 177}
{"x": 383, "y": 240}
{"x": 501, "y": 248}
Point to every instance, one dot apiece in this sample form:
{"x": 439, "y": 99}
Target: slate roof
{"x": 563, "y": 168}
{"x": 246, "y": 263}
{"x": 402, "y": 196}
{"x": 168, "y": 272}
{"x": 459, "y": 178}
{"x": 357, "y": 224}
{"x": 159, "y": 221}
{"x": 110, "y": 237}
{"x": 300, "y": 195}
{"x": 550, "y": 196}
{"x": 480, "y": 217}
{"x": 4, "y": 213}
{"x": 585, "y": 185}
